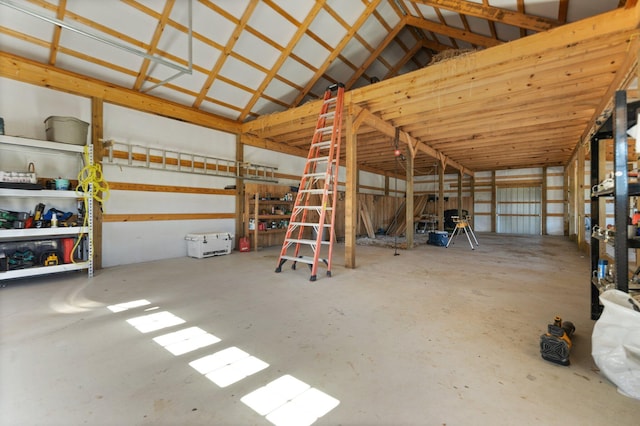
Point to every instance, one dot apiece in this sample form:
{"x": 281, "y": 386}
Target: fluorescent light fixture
{"x": 128, "y": 305}
{"x": 153, "y": 322}
{"x": 289, "y": 401}
{"x": 228, "y": 366}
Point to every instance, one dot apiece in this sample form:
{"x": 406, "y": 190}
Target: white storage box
{"x": 209, "y": 244}
{"x": 66, "y": 130}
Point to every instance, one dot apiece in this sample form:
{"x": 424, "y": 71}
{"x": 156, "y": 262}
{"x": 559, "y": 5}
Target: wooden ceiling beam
{"x": 376, "y": 53}
{"x": 153, "y": 46}
{"x": 406, "y": 58}
{"x": 57, "y": 32}
{"x": 494, "y": 14}
{"x": 389, "y": 130}
{"x": 226, "y": 52}
{"x": 302, "y": 28}
{"x": 29, "y": 71}
{"x": 345, "y": 40}
{"x": 452, "y": 32}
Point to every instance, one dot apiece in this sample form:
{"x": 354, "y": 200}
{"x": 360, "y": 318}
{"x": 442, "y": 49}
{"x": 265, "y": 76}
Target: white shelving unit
{"x": 36, "y": 234}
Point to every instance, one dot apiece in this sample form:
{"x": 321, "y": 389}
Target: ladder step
{"x": 319, "y": 159}
{"x": 309, "y": 242}
{"x": 326, "y": 225}
{"x": 311, "y": 208}
{"x": 319, "y": 174}
{"x": 314, "y": 191}
{"x": 323, "y": 144}
{"x": 302, "y": 259}
{"x": 330, "y": 100}
{"x": 325, "y": 130}
{"x": 330, "y": 114}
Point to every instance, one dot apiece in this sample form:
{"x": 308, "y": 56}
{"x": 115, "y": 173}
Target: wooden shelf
{"x": 253, "y": 206}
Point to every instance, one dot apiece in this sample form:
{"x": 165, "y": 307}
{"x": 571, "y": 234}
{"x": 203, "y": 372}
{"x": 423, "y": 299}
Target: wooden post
{"x": 460, "y": 193}
{"x": 580, "y": 199}
{"x": 409, "y": 201}
{"x": 239, "y": 193}
{"x": 386, "y": 185}
{"x": 472, "y": 201}
{"x": 493, "y": 202}
{"x": 543, "y": 199}
{"x": 443, "y": 164}
{"x": 97, "y": 130}
{"x": 351, "y": 196}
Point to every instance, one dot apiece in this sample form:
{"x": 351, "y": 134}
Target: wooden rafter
{"x": 57, "y": 31}
{"x": 496, "y": 14}
{"x": 354, "y": 29}
{"x": 406, "y": 58}
{"x": 142, "y": 74}
{"x": 472, "y": 38}
{"x": 302, "y": 28}
{"x": 563, "y": 8}
{"x": 383, "y": 44}
{"x": 29, "y": 71}
{"x": 225, "y": 53}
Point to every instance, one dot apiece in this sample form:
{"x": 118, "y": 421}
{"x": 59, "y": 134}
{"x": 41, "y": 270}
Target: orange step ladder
{"x": 314, "y": 210}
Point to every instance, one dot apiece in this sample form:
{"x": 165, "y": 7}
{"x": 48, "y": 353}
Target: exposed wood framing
{"x": 409, "y": 201}
{"x": 225, "y": 53}
{"x": 153, "y": 47}
{"x": 494, "y": 14}
{"x": 351, "y": 200}
{"x": 149, "y": 217}
{"x": 28, "y": 71}
{"x": 97, "y": 127}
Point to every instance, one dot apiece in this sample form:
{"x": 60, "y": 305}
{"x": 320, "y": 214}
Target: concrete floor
{"x": 433, "y": 336}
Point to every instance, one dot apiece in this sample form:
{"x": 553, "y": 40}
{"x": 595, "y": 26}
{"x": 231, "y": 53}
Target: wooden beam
{"x": 240, "y": 207}
{"x": 57, "y": 31}
{"x": 345, "y": 40}
{"x": 213, "y": 73}
{"x": 293, "y": 42}
{"x": 153, "y": 46}
{"x": 148, "y": 217}
{"x": 493, "y": 202}
{"x": 389, "y": 130}
{"x": 351, "y": 196}
{"x": 410, "y": 227}
{"x": 452, "y": 32}
{"x": 494, "y": 14}
{"x": 442, "y": 166}
{"x": 544, "y": 201}
{"x": 375, "y": 54}
{"x": 29, "y": 71}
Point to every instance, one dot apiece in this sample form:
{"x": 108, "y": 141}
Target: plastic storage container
{"x": 438, "y": 238}
{"x": 209, "y": 244}
{"x": 66, "y": 130}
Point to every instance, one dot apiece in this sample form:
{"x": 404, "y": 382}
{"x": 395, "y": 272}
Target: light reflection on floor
{"x": 283, "y": 402}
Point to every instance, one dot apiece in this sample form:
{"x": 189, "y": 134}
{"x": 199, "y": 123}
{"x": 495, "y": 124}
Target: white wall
{"x": 133, "y": 242}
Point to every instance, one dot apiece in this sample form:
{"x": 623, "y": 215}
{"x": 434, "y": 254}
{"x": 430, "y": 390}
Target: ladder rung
{"x": 309, "y": 242}
{"x": 318, "y": 159}
{"x": 325, "y": 130}
{"x": 324, "y": 144}
{"x": 319, "y": 174}
{"x": 327, "y": 101}
{"x": 314, "y": 191}
{"x": 302, "y": 259}
{"x": 328, "y": 114}
{"x": 326, "y": 225}
{"x": 312, "y": 207}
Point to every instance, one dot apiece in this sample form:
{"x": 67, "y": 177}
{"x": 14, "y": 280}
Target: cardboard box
{"x": 201, "y": 245}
